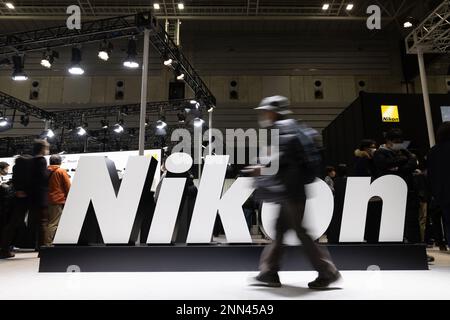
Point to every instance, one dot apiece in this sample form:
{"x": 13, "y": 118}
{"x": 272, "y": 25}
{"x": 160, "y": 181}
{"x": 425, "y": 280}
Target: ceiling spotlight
{"x": 168, "y": 62}
{"x": 47, "y": 134}
{"x": 81, "y": 131}
{"x": 156, "y": 6}
{"x": 179, "y": 74}
{"x": 131, "y": 61}
{"x": 4, "y": 122}
{"x": 407, "y": 24}
{"x": 104, "y": 123}
{"x": 105, "y": 50}
{"x": 24, "y": 120}
{"x": 181, "y": 117}
{"x": 18, "y": 73}
{"x": 350, "y": 7}
{"x": 161, "y": 124}
{"x": 10, "y": 6}
{"x": 181, "y": 6}
{"x": 198, "y": 122}
{"x": 75, "y": 66}
{"x": 118, "y": 128}
{"x": 48, "y": 58}
{"x": 326, "y": 6}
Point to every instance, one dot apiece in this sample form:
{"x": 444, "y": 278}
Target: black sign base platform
{"x": 195, "y": 258}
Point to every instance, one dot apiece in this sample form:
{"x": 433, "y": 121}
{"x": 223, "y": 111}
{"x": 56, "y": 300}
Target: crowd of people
{"x": 34, "y": 197}
{"x": 428, "y": 201}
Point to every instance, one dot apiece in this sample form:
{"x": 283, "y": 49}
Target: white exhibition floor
{"x": 19, "y": 279}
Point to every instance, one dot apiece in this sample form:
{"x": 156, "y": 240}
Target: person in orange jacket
{"x": 58, "y": 189}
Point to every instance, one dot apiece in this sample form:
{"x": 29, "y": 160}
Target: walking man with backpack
{"x": 299, "y": 164}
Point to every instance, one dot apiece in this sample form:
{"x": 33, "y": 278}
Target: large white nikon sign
{"x": 116, "y": 203}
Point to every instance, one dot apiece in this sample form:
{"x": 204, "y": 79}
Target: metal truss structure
{"x": 217, "y": 9}
{"x": 62, "y": 118}
{"x": 92, "y": 31}
{"x": 433, "y": 34}
{"x": 10, "y": 102}
{"x": 110, "y": 28}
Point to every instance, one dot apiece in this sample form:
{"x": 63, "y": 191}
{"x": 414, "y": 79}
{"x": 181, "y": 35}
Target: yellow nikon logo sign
{"x": 390, "y": 114}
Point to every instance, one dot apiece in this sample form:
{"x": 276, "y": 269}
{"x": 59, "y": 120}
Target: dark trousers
{"x": 434, "y": 232}
{"x": 446, "y": 218}
{"x": 291, "y": 217}
{"x": 37, "y": 222}
{"x": 412, "y": 226}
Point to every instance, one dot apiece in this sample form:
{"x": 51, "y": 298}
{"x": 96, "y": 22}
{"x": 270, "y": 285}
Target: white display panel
{"x": 120, "y": 159}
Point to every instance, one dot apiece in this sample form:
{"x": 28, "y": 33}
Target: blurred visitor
{"x": 299, "y": 164}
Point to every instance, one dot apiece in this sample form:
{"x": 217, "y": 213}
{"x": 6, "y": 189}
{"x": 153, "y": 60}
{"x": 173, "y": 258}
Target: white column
{"x": 426, "y": 97}
{"x": 144, "y": 92}
{"x": 210, "y": 126}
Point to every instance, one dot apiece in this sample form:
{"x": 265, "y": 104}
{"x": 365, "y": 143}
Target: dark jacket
{"x": 21, "y": 180}
{"x": 39, "y": 182}
{"x": 296, "y": 150}
{"x": 363, "y": 164}
{"x": 401, "y": 163}
{"x": 439, "y": 173}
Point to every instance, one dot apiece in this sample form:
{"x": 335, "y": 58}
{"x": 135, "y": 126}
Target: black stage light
{"x": 24, "y": 120}
{"x": 131, "y": 60}
{"x": 18, "y": 73}
{"x": 105, "y": 50}
{"x": 48, "y": 58}
{"x": 75, "y": 65}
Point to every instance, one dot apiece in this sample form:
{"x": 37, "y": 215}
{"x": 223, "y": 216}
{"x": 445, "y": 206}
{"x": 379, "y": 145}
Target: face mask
{"x": 397, "y": 146}
{"x": 265, "y": 123}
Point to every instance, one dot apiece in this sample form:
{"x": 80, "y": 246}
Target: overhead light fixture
{"x": 181, "y": 6}
{"x": 198, "y": 122}
{"x": 4, "y": 122}
{"x": 408, "y": 24}
{"x": 75, "y": 66}
{"x": 9, "y": 5}
{"x": 181, "y": 117}
{"x": 118, "y": 128}
{"x": 179, "y": 74}
{"x": 48, "y": 58}
{"x": 104, "y": 123}
{"x": 161, "y": 124}
{"x": 350, "y": 7}
{"x": 24, "y": 120}
{"x": 326, "y": 6}
{"x": 105, "y": 50}
{"x": 18, "y": 73}
{"x": 81, "y": 131}
{"x": 168, "y": 62}
{"x": 131, "y": 61}
{"x": 156, "y": 6}
{"x": 48, "y": 134}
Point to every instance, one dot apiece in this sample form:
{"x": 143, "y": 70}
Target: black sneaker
{"x": 430, "y": 259}
{"x": 324, "y": 282}
{"x": 267, "y": 279}
{"x": 6, "y": 254}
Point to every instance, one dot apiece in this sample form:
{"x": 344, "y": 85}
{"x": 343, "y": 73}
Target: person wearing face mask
{"x": 393, "y": 158}
{"x": 299, "y": 164}
{"x": 363, "y": 163}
